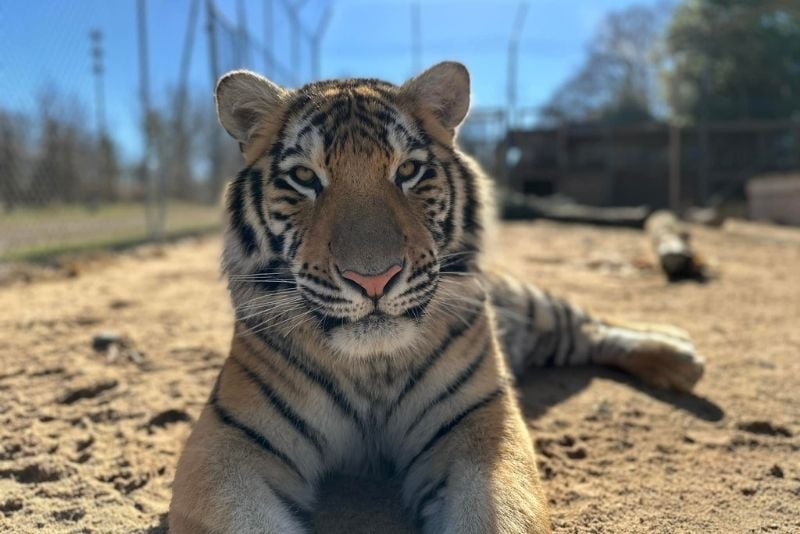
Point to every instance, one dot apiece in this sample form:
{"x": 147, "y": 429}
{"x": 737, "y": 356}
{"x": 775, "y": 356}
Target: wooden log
{"x": 671, "y": 243}
{"x": 561, "y": 209}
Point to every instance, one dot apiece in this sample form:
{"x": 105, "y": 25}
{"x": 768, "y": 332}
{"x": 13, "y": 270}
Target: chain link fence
{"x": 68, "y": 181}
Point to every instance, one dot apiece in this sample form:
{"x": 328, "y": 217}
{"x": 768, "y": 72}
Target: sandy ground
{"x": 89, "y": 441}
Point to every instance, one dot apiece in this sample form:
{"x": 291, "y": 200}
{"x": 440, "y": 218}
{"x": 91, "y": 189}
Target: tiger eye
{"x": 304, "y": 174}
{"x": 407, "y": 169}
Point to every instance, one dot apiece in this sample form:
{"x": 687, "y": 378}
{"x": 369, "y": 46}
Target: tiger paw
{"x": 665, "y": 365}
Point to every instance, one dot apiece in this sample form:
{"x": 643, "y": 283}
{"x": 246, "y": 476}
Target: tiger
{"x": 372, "y": 334}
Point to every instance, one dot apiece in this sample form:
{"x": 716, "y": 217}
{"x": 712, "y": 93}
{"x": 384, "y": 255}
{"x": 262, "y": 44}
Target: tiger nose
{"x": 373, "y": 284}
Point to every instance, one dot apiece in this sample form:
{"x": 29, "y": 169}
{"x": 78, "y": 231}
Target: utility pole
{"x": 103, "y": 184}
{"x": 154, "y": 208}
{"x": 181, "y": 167}
{"x": 513, "y": 60}
{"x": 96, "y": 37}
{"x": 215, "y": 153}
{"x": 316, "y": 42}
{"x": 416, "y": 39}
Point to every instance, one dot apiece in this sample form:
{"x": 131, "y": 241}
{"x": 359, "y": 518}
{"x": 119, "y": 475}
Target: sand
{"x": 89, "y": 438}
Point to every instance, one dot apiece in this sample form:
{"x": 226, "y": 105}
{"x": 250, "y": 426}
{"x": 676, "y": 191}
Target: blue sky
{"x": 45, "y": 42}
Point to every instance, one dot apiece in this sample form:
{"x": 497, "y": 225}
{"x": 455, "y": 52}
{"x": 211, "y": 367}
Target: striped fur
{"x": 416, "y": 384}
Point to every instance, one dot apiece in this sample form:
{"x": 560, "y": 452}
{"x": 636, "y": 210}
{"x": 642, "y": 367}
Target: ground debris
{"x": 115, "y": 345}
{"x": 764, "y": 428}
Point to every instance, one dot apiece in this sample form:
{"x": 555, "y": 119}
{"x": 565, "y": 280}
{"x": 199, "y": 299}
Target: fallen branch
{"x": 671, "y": 242}
{"x": 517, "y": 206}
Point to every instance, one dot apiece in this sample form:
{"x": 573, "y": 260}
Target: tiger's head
{"x": 353, "y": 205}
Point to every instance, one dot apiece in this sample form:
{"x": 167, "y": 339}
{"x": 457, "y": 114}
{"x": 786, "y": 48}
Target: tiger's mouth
{"x": 374, "y": 333}
{"x": 376, "y": 320}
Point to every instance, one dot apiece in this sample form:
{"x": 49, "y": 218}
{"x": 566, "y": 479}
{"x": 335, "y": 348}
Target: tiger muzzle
{"x": 368, "y": 247}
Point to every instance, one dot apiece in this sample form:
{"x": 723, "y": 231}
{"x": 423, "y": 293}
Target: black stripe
{"x": 327, "y": 322}
{"x": 289, "y": 200}
{"x": 448, "y": 221}
{"x": 292, "y": 417}
{"x": 427, "y": 497}
{"x": 460, "y": 261}
{"x": 598, "y": 348}
{"x": 536, "y": 342}
{"x": 452, "y": 388}
{"x": 322, "y": 298}
{"x": 247, "y": 236}
{"x": 300, "y": 513}
{"x": 556, "y": 331}
{"x": 275, "y": 242}
{"x": 257, "y": 192}
{"x": 314, "y": 374}
{"x": 426, "y": 188}
{"x": 424, "y": 269}
{"x": 254, "y": 436}
{"x": 471, "y": 222}
{"x": 531, "y": 309}
{"x": 416, "y": 287}
{"x": 317, "y": 280}
{"x": 280, "y": 183}
{"x": 568, "y": 332}
{"x": 455, "y": 332}
{"x": 450, "y": 425}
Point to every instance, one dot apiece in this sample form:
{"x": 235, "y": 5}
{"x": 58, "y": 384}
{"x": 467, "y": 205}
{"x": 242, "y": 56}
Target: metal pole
{"x": 316, "y": 42}
{"x": 416, "y": 38}
{"x": 182, "y": 173}
{"x": 215, "y": 179}
{"x": 102, "y": 184}
{"x": 96, "y": 37}
{"x": 153, "y": 230}
{"x": 513, "y": 60}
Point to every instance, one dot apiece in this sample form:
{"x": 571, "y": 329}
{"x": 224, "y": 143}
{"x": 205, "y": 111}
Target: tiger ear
{"x": 442, "y": 90}
{"x": 243, "y": 100}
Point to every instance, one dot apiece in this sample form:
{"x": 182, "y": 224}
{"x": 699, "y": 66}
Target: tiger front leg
{"x": 225, "y": 484}
{"x": 477, "y": 474}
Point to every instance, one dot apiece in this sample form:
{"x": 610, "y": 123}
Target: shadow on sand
{"x": 542, "y": 389}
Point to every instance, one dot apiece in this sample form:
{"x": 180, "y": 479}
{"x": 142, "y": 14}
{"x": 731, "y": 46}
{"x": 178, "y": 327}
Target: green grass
{"x": 42, "y": 234}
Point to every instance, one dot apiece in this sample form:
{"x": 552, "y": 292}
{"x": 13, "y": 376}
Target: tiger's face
{"x": 353, "y": 203}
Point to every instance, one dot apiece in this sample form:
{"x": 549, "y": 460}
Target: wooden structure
{"x": 775, "y": 198}
{"x": 659, "y": 165}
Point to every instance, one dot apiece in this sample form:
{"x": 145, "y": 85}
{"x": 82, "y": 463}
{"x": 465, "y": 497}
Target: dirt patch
{"x": 90, "y": 443}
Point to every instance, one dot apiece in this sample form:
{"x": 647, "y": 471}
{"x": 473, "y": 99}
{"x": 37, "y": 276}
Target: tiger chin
{"x": 370, "y": 335}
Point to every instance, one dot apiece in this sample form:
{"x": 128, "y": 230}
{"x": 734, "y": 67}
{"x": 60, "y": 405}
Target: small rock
{"x": 103, "y": 341}
{"x": 115, "y": 345}
{"x": 88, "y": 392}
{"x": 764, "y": 428}
{"x": 566, "y": 441}
{"x": 71, "y": 514}
{"x": 576, "y": 454}
{"x": 10, "y": 506}
{"x": 776, "y": 471}
{"x": 168, "y": 417}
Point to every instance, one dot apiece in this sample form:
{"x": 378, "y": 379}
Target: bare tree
{"x": 617, "y": 82}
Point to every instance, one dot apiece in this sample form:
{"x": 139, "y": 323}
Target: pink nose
{"x": 373, "y": 284}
